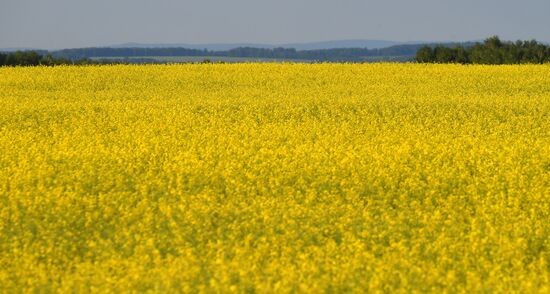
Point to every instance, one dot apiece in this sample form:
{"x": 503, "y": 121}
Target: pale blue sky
{"x": 79, "y": 23}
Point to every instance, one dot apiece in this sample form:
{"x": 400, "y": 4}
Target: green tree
{"x": 444, "y": 54}
{"x": 461, "y": 55}
{"x": 425, "y": 55}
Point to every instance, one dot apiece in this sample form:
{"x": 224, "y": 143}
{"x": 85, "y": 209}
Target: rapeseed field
{"x": 275, "y": 178}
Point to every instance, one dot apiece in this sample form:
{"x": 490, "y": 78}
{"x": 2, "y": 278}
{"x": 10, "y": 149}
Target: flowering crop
{"x": 275, "y": 178}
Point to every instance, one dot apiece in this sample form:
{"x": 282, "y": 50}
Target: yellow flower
{"x": 275, "y": 178}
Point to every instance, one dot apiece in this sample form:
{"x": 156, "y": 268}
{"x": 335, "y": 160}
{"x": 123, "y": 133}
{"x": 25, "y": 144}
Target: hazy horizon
{"x": 71, "y": 24}
{"x": 224, "y": 43}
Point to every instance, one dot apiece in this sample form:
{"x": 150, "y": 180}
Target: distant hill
{"x": 330, "y": 51}
{"x": 371, "y": 44}
{"x": 333, "y": 44}
{"x": 208, "y": 46}
{"x": 403, "y": 52}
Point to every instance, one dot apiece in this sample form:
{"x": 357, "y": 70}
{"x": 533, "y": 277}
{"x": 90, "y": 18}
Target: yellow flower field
{"x": 275, "y": 178}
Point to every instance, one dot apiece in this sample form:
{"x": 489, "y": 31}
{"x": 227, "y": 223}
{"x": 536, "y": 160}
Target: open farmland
{"x": 275, "y": 178}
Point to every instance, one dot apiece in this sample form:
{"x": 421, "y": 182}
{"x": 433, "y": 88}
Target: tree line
{"x": 139, "y": 55}
{"x": 98, "y": 52}
{"x": 34, "y": 58}
{"x": 491, "y": 51}
{"x": 330, "y": 55}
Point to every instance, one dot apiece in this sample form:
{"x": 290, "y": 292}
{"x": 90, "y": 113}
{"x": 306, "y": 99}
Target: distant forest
{"x": 32, "y": 58}
{"x": 322, "y": 55}
{"x": 147, "y": 55}
{"x": 492, "y": 51}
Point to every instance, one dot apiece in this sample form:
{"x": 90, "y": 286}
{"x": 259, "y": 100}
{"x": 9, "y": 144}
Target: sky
{"x": 54, "y": 24}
